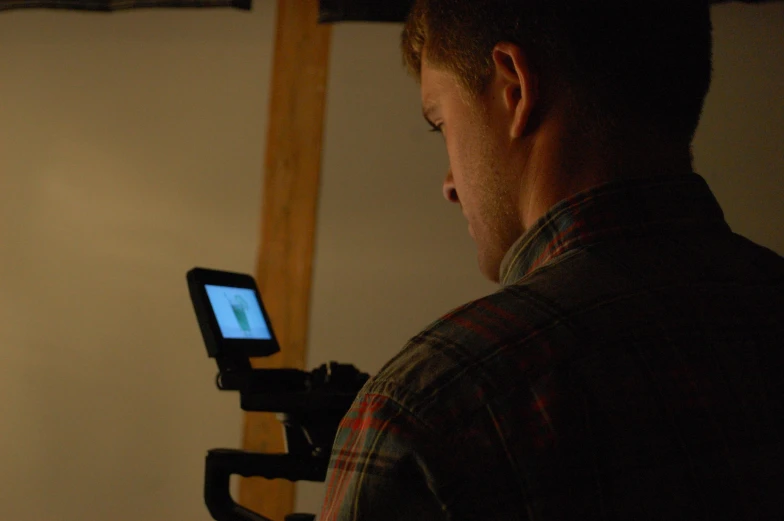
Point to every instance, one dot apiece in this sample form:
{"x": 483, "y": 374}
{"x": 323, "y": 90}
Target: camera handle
{"x": 221, "y": 464}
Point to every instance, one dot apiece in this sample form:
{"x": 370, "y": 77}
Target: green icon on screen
{"x": 240, "y": 308}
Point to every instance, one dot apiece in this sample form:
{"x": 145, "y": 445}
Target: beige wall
{"x": 130, "y": 151}
{"x": 739, "y": 147}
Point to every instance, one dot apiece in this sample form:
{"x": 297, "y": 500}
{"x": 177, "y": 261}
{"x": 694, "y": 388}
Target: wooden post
{"x": 291, "y": 188}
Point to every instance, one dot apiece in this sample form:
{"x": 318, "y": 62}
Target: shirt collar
{"x": 631, "y": 207}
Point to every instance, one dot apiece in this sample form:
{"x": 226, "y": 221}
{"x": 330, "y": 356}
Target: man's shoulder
{"x": 520, "y": 332}
{"x": 456, "y": 358}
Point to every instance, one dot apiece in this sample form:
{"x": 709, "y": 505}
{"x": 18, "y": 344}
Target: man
{"x": 630, "y": 367}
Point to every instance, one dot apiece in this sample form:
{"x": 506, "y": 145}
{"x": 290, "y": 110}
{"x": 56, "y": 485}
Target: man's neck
{"x": 560, "y": 168}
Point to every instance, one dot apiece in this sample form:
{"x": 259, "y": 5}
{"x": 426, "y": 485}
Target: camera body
{"x": 310, "y": 405}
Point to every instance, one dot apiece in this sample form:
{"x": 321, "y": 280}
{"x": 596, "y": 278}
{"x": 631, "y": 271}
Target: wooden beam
{"x": 291, "y": 188}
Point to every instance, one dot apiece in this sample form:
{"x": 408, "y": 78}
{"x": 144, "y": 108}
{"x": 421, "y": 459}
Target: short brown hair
{"x": 622, "y": 63}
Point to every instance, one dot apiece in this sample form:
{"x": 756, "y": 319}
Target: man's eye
{"x": 435, "y": 128}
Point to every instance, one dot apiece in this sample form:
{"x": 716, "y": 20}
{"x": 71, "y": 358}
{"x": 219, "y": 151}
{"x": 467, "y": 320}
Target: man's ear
{"x": 519, "y": 86}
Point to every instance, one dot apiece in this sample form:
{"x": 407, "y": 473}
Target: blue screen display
{"x": 238, "y": 313}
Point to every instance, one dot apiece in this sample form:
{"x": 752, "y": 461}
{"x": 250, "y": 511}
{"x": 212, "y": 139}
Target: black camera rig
{"x": 235, "y": 327}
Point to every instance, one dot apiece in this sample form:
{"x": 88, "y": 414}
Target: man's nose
{"x": 449, "y": 190}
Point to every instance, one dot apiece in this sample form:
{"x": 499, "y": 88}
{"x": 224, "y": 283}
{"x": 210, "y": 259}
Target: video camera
{"x": 235, "y": 327}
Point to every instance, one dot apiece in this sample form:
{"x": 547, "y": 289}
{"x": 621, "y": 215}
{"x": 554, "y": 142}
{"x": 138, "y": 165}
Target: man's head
{"x": 538, "y": 99}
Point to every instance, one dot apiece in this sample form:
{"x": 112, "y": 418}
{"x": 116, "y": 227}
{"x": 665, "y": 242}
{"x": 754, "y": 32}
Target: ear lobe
{"x": 520, "y": 86}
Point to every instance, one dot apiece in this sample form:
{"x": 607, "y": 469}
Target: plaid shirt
{"x": 630, "y": 368}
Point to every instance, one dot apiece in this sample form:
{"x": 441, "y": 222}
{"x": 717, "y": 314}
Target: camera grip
{"x": 221, "y": 464}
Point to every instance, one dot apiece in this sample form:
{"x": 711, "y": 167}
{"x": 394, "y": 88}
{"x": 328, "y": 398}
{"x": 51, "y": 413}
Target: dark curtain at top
{"x": 118, "y": 5}
{"x": 330, "y": 10}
